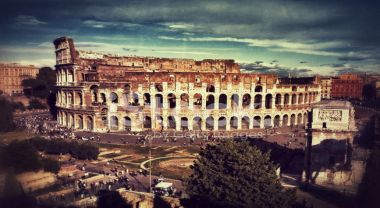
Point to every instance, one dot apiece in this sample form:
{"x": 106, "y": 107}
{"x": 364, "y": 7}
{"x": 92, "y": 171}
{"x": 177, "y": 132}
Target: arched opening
{"x": 90, "y": 123}
{"x": 245, "y": 122}
{"x": 70, "y": 76}
{"x": 78, "y": 98}
{"x": 159, "y": 123}
{"x": 127, "y": 88}
{"x": 147, "y": 123}
{"x": 103, "y": 99}
{"x": 146, "y": 97}
{"x": 184, "y": 100}
{"x": 114, "y": 123}
{"x": 159, "y": 101}
{"x": 294, "y": 99}
{"x": 285, "y": 120}
{"x": 94, "y": 93}
{"x": 246, "y": 102}
{"x": 172, "y": 100}
{"x": 267, "y": 121}
{"x": 256, "y": 122}
{"x": 222, "y": 123}
{"x": 234, "y": 101}
{"x": 278, "y": 99}
{"x": 127, "y": 123}
{"x": 258, "y": 101}
{"x": 210, "y": 123}
{"x": 286, "y": 99}
{"x": 135, "y": 99}
{"x": 276, "y": 121}
{"x": 268, "y": 101}
{"x": 306, "y": 99}
{"x": 171, "y": 122}
{"x": 258, "y": 89}
{"x": 300, "y": 98}
{"x": 197, "y": 101}
{"x": 80, "y": 122}
{"x": 70, "y": 98}
{"x": 292, "y": 120}
{"x": 210, "y": 102}
{"x": 222, "y": 101}
{"x": 197, "y": 123}
{"x": 210, "y": 88}
{"x": 234, "y": 122}
{"x": 114, "y": 98}
{"x": 184, "y": 124}
{"x": 299, "y": 118}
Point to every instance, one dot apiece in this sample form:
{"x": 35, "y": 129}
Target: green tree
{"x": 36, "y": 104}
{"x": 51, "y": 165}
{"x": 236, "y": 174}
{"x": 6, "y": 116}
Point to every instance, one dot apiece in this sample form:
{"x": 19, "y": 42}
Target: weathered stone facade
{"x": 108, "y": 93}
{"x": 12, "y": 75}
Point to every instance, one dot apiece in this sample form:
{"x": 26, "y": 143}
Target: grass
{"x": 15, "y": 135}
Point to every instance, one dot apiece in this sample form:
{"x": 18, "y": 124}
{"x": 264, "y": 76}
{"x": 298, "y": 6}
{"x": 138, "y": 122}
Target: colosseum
{"x": 108, "y": 93}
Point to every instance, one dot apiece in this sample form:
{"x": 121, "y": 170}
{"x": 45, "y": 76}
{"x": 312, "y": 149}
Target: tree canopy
{"x": 6, "y": 118}
{"x": 236, "y": 174}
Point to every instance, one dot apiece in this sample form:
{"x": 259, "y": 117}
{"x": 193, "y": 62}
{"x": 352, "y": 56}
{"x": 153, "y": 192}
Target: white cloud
{"x": 309, "y": 47}
{"x": 28, "y": 20}
{"x": 105, "y": 24}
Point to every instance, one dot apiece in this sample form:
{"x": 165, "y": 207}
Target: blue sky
{"x": 299, "y": 37}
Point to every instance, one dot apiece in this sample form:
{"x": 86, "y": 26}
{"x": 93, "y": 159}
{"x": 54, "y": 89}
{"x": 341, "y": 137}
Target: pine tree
{"x": 235, "y": 174}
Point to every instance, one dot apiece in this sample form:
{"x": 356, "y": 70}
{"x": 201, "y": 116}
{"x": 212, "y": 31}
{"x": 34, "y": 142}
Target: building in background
{"x": 12, "y": 75}
{"x": 326, "y": 83}
{"x": 103, "y": 93}
{"x": 347, "y": 86}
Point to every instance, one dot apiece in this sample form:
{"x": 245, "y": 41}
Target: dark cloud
{"x": 280, "y": 71}
{"x": 303, "y": 62}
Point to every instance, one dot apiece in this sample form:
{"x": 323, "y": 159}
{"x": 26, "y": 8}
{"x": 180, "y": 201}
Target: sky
{"x": 293, "y": 37}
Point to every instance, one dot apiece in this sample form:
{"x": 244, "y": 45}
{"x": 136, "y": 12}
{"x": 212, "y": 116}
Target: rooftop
{"x": 326, "y": 104}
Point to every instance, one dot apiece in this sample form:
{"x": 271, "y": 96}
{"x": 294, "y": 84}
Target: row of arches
{"x": 74, "y": 98}
{"x": 75, "y": 121}
{"x": 65, "y": 76}
{"x": 210, "y": 123}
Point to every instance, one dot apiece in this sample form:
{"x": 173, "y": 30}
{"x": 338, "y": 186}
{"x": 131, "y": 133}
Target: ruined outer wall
{"x": 101, "y": 93}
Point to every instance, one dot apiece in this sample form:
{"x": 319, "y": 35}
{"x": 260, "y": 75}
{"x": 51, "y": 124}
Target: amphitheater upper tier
{"x": 98, "y": 92}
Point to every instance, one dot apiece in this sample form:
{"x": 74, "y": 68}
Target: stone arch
{"x": 184, "y": 124}
{"x": 171, "y": 122}
{"x": 159, "y": 122}
{"x": 305, "y": 118}
{"x": 184, "y": 100}
{"x": 210, "y": 102}
{"x": 147, "y": 100}
{"x": 159, "y": 100}
{"x": 278, "y": 99}
{"x": 70, "y": 75}
{"x": 147, "y": 122}
{"x": 79, "y": 98}
{"x": 210, "y": 123}
{"x": 222, "y": 123}
{"x": 234, "y": 122}
{"x": 285, "y": 120}
{"x": 294, "y": 99}
{"x": 299, "y": 118}
{"x": 103, "y": 98}
{"x": 256, "y": 122}
{"x": 222, "y": 101}
{"x": 114, "y": 123}
{"x": 90, "y": 123}
{"x": 94, "y": 93}
{"x": 80, "y": 122}
{"x": 197, "y": 100}
{"x": 127, "y": 123}
{"x": 268, "y": 101}
{"x": 245, "y": 122}
{"x": 70, "y": 98}
{"x": 276, "y": 121}
{"x": 246, "y": 100}
{"x": 172, "y": 101}
{"x": 114, "y": 98}
{"x": 292, "y": 120}
{"x": 286, "y": 99}
{"x": 210, "y": 88}
{"x": 267, "y": 121}
{"x": 234, "y": 101}
{"x": 197, "y": 123}
{"x": 258, "y": 101}
{"x": 300, "y": 98}
{"x": 135, "y": 99}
